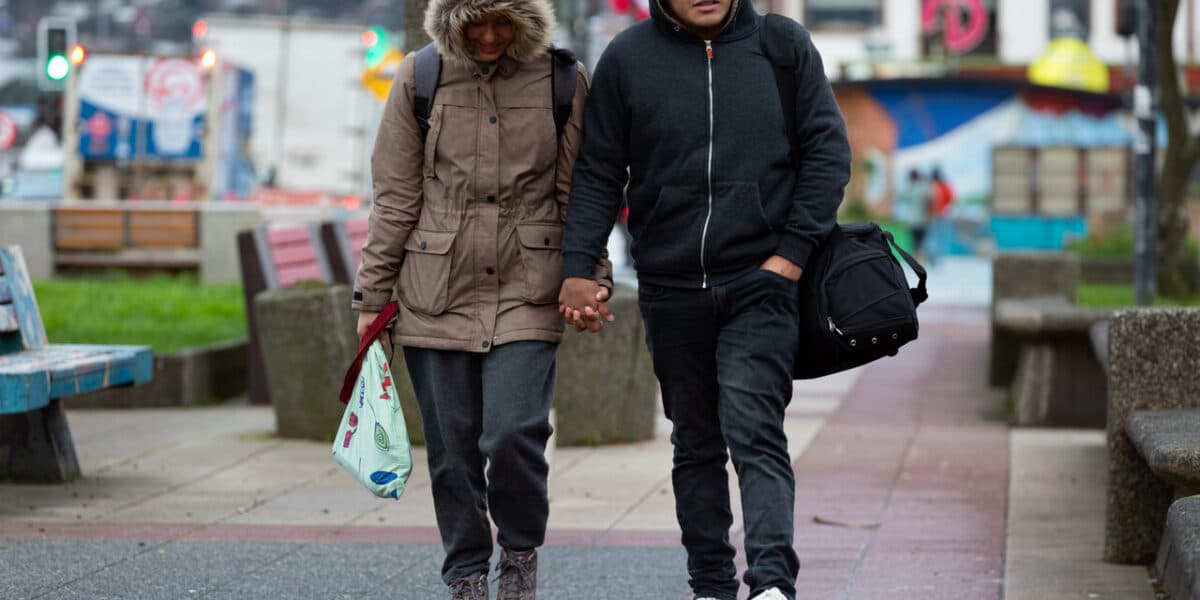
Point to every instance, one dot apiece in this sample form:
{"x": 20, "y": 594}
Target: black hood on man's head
{"x": 741, "y": 18}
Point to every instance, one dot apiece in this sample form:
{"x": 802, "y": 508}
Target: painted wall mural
{"x": 940, "y": 134}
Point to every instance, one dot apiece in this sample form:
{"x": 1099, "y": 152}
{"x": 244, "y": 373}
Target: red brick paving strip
{"x": 913, "y": 471}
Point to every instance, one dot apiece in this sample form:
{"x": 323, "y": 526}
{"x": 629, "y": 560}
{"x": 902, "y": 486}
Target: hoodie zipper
{"x": 708, "y": 52}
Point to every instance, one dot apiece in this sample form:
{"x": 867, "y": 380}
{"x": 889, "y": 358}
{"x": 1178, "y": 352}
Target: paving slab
{"x": 1055, "y": 546}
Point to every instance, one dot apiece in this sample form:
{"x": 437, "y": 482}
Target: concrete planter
{"x": 307, "y": 339}
{"x": 606, "y": 390}
{"x": 189, "y": 377}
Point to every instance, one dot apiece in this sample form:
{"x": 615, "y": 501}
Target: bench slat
{"x": 286, "y": 235}
{"x": 89, "y": 239}
{"x": 69, "y": 369}
{"x": 289, "y": 275}
{"x": 33, "y": 334}
{"x": 162, "y": 229}
{"x": 294, "y": 254}
{"x": 8, "y": 319}
{"x": 23, "y": 392}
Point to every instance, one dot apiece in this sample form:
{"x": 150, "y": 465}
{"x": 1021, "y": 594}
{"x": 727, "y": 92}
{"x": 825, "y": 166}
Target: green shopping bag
{"x": 372, "y": 441}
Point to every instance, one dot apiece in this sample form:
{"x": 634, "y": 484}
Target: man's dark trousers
{"x": 723, "y": 357}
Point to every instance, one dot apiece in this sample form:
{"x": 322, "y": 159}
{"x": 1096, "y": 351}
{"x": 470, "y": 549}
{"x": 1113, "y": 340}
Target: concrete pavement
{"x": 910, "y": 484}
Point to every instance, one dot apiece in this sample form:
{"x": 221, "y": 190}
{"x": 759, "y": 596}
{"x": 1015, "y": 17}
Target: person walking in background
{"x": 941, "y": 203}
{"x": 685, "y": 110}
{"x": 466, "y": 230}
{"x": 912, "y": 207}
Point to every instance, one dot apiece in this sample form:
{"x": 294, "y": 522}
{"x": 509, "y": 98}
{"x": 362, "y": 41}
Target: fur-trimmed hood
{"x": 533, "y": 23}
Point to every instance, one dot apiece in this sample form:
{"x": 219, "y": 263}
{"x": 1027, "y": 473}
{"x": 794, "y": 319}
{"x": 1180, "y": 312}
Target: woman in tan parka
{"x": 466, "y": 230}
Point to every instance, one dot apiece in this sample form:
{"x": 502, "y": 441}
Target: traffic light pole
{"x": 1145, "y": 110}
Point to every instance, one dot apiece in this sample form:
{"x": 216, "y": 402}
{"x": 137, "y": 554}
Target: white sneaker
{"x": 770, "y": 594}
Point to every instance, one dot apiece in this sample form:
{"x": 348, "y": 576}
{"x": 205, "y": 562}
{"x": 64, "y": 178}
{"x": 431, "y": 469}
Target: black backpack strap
{"x": 779, "y": 45}
{"x": 563, "y": 77}
{"x": 427, "y": 71}
{"x": 919, "y": 293}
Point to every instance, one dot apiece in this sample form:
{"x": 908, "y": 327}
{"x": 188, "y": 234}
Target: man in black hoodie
{"x": 685, "y": 119}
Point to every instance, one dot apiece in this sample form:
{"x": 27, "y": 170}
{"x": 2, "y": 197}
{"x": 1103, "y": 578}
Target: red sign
{"x": 8, "y": 132}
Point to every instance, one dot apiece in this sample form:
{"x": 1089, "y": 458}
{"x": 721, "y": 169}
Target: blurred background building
{"x": 993, "y": 123}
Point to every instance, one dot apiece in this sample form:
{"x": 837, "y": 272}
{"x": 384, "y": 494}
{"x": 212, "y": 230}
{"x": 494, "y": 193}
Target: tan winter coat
{"x": 466, "y": 228}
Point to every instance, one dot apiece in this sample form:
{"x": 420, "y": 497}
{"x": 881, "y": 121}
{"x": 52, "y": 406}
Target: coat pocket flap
{"x": 544, "y": 236}
{"x": 430, "y": 242}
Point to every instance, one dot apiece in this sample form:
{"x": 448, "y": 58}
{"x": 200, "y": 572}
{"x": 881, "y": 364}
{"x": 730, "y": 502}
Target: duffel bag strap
{"x": 919, "y": 293}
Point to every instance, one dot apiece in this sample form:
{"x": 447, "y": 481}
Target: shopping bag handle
{"x": 377, "y": 326}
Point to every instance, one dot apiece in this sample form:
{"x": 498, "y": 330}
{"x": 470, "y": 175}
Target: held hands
{"x": 584, "y": 304}
{"x": 784, "y": 267}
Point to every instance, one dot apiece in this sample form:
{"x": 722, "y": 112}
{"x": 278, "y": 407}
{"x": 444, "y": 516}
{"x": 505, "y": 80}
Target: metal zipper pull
{"x": 834, "y": 328}
{"x": 708, "y": 49}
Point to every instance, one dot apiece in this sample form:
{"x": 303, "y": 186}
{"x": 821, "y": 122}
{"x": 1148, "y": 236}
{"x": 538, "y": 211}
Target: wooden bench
{"x": 35, "y": 443}
{"x": 153, "y": 237}
{"x": 343, "y": 243}
{"x": 273, "y": 258}
{"x": 1059, "y": 380}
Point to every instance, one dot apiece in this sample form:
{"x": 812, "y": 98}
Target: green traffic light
{"x": 57, "y": 67}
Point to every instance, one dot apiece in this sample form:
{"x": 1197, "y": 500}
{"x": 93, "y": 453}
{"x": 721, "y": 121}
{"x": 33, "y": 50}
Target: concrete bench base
{"x": 1058, "y": 381}
{"x": 36, "y": 446}
{"x": 1169, "y": 441}
{"x": 1154, "y": 366}
{"x": 1178, "y": 564}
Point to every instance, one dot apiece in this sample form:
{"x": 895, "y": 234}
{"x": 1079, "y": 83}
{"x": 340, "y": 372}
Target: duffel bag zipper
{"x": 838, "y": 269}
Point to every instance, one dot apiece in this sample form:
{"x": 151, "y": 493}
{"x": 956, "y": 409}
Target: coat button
{"x": 486, "y": 344}
{"x": 491, "y": 198}
{"x": 492, "y": 120}
{"x": 490, "y": 271}
{"x": 546, "y": 241}
{"x": 422, "y": 245}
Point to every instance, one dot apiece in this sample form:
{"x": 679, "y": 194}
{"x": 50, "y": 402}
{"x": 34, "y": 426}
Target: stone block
{"x": 308, "y": 339}
{"x": 27, "y": 224}
{"x": 190, "y": 377}
{"x": 1154, "y": 358}
{"x": 1020, "y": 275}
{"x": 219, "y": 224}
{"x": 606, "y": 390}
{"x": 1177, "y": 567}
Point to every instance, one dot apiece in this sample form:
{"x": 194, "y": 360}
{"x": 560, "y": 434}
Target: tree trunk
{"x": 1176, "y": 270}
{"x": 414, "y": 25}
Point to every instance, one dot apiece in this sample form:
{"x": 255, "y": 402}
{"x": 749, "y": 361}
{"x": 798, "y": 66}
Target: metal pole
{"x": 1145, "y": 109}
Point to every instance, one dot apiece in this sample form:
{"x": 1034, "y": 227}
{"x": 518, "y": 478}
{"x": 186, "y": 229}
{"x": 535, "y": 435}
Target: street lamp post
{"x": 1145, "y": 110}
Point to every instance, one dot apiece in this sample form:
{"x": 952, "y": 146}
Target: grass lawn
{"x": 1113, "y": 296}
{"x": 167, "y": 313}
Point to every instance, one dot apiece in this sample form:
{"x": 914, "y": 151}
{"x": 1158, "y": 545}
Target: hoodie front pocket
{"x": 541, "y": 258}
{"x": 738, "y": 232}
{"x": 425, "y": 274}
{"x": 668, "y": 238}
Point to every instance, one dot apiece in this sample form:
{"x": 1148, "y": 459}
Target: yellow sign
{"x": 378, "y": 79}
{"x": 1070, "y": 63}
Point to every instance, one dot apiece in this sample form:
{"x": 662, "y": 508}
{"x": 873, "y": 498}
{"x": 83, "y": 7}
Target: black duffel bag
{"x": 855, "y": 303}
